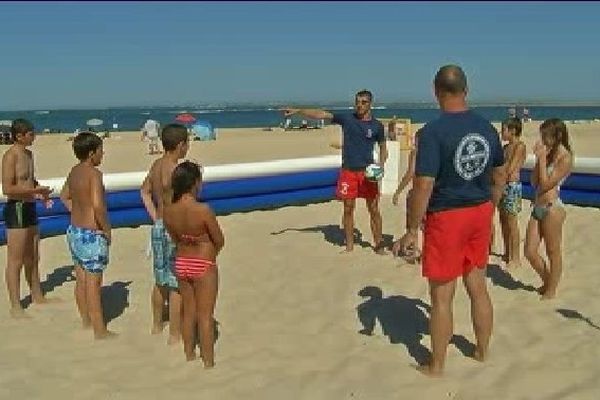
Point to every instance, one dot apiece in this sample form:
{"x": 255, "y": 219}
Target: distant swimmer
{"x": 361, "y": 131}
{"x": 151, "y": 131}
{"x": 554, "y": 161}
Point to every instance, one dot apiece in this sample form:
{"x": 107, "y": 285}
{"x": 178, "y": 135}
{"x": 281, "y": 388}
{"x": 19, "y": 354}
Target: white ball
{"x": 374, "y": 172}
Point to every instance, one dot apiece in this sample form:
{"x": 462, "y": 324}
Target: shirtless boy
{"x": 510, "y": 203}
{"x": 22, "y": 236}
{"x": 157, "y": 193}
{"x": 89, "y": 234}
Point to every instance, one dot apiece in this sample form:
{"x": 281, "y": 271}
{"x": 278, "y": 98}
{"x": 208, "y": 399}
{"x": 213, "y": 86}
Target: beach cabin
{"x": 203, "y": 130}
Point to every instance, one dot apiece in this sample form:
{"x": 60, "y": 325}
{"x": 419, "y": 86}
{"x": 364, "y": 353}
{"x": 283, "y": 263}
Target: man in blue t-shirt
{"x": 458, "y": 182}
{"x": 360, "y": 133}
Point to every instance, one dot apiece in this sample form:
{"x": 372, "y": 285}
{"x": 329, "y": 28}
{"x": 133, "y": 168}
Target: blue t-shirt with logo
{"x": 459, "y": 150}
{"x": 359, "y": 139}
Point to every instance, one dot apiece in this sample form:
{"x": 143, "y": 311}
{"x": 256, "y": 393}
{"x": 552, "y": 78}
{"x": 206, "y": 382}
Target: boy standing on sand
{"x": 89, "y": 234}
{"x": 156, "y": 193}
{"x": 22, "y": 236}
{"x": 510, "y": 202}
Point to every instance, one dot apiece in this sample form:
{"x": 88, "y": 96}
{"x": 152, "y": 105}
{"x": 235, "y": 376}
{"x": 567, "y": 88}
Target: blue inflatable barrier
{"x": 136, "y": 215}
{"x": 213, "y": 190}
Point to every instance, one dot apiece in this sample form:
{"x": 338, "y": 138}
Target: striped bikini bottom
{"x": 192, "y": 267}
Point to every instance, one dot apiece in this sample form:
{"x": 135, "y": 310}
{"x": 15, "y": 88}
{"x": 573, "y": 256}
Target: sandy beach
{"x": 291, "y": 308}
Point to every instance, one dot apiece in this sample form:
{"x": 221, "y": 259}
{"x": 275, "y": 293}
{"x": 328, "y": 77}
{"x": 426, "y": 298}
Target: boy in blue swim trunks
{"x": 89, "y": 234}
{"x": 157, "y": 193}
{"x": 510, "y": 203}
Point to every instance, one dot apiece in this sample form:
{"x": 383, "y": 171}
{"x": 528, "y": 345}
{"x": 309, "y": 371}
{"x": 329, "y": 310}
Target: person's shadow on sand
{"x": 53, "y": 280}
{"x": 115, "y": 299}
{"x": 504, "y": 279}
{"x": 573, "y": 314}
{"x": 404, "y": 321}
{"x": 334, "y": 234}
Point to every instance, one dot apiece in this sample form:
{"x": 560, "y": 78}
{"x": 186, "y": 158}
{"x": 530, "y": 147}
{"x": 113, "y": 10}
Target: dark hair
{"x": 172, "y": 135}
{"x": 84, "y": 144}
{"x": 450, "y": 79}
{"x": 20, "y": 126}
{"x": 184, "y": 178}
{"x": 365, "y": 93}
{"x": 513, "y": 124}
{"x": 557, "y": 129}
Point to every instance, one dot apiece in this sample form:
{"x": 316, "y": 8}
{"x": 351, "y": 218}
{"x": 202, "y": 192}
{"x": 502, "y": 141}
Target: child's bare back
{"x": 87, "y": 195}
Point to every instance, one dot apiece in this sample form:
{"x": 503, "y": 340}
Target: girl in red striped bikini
{"x": 199, "y": 239}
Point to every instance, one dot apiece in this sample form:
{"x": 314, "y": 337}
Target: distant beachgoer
{"x": 199, "y": 239}
{"x": 287, "y": 124}
{"x": 22, "y": 235}
{"x": 553, "y": 165}
{"x": 458, "y": 180}
{"x": 151, "y": 131}
{"x": 509, "y": 207}
{"x": 89, "y": 234}
{"x": 156, "y": 193}
{"x": 360, "y": 133}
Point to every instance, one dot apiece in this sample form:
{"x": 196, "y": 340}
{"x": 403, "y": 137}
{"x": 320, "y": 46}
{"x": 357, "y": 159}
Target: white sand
{"x": 288, "y": 311}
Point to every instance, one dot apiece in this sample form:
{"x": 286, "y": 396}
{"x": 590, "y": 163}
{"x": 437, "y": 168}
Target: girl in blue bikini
{"x": 553, "y": 165}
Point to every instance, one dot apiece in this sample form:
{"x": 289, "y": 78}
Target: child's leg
{"x": 31, "y": 262}
{"x": 174, "y": 316}
{"x": 205, "y": 290}
{"x": 514, "y": 248}
{"x": 16, "y": 240}
{"x": 159, "y": 296}
{"x": 80, "y": 296}
{"x": 93, "y": 286}
{"x": 504, "y": 226}
{"x": 551, "y": 229}
{"x": 189, "y": 319}
{"x": 532, "y": 244}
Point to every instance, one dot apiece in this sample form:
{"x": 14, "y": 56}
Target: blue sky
{"x": 113, "y": 54}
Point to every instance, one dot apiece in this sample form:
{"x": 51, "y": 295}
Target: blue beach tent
{"x": 203, "y": 130}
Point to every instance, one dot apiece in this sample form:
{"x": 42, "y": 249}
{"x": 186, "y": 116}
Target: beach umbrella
{"x": 203, "y": 130}
{"x": 185, "y": 118}
{"x": 94, "y": 122}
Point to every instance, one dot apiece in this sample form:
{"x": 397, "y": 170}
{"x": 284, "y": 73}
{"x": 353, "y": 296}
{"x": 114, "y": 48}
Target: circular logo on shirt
{"x": 471, "y": 157}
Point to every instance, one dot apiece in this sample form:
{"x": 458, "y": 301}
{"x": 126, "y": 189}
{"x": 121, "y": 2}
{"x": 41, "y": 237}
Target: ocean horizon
{"x": 253, "y": 115}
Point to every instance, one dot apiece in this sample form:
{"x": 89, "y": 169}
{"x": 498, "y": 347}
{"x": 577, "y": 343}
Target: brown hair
{"x": 556, "y": 128}
{"x": 513, "y": 124}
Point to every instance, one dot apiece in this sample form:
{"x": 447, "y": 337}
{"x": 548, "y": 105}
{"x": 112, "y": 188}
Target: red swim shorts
{"x": 353, "y": 184}
{"x": 456, "y": 241}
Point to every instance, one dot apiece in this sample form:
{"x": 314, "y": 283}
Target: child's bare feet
{"x": 105, "y": 335}
{"x": 429, "y": 371}
{"x": 346, "y": 251}
{"x": 209, "y": 365}
{"x": 46, "y": 300}
{"x": 380, "y": 250}
{"x": 549, "y": 294}
{"x": 157, "y": 328}
{"x": 480, "y": 355}
{"x": 173, "y": 340}
{"x": 190, "y": 356}
{"x": 18, "y": 313}
{"x": 86, "y": 324}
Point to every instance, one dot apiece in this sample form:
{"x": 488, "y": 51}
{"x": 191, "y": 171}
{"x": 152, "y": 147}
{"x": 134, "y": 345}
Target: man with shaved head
{"x": 458, "y": 182}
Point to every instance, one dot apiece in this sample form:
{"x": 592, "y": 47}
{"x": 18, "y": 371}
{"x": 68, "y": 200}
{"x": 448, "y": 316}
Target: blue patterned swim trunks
{"x": 89, "y": 248}
{"x": 163, "y": 251}
{"x": 511, "y": 198}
